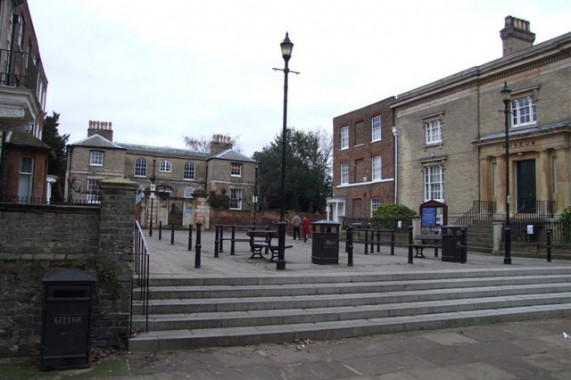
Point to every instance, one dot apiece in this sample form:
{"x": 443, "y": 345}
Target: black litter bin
{"x": 454, "y": 244}
{"x": 68, "y": 297}
{"x": 325, "y": 242}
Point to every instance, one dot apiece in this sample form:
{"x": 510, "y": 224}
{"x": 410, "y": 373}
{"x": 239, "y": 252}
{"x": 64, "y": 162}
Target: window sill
{"x": 519, "y": 126}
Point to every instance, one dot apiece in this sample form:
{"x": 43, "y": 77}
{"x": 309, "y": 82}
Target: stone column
{"x": 563, "y": 180}
{"x": 486, "y": 192}
{"x": 117, "y": 216}
{"x": 116, "y": 226}
{"x": 544, "y": 177}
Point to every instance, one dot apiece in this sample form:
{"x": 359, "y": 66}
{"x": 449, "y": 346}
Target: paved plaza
{"x": 175, "y": 259}
{"x": 538, "y": 349}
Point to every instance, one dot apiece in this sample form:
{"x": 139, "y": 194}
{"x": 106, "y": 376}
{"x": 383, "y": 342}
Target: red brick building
{"x": 23, "y": 85}
{"x": 363, "y": 161}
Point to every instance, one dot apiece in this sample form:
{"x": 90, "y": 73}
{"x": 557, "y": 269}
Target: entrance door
{"x": 526, "y": 196}
{"x": 358, "y": 209}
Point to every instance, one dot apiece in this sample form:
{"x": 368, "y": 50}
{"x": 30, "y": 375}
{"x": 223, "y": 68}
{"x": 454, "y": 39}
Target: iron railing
{"x": 41, "y": 201}
{"x": 141, "y": 260}
{"x": 17, "y": 69}
{"x": 542, "y": 210}
{"x": 481, "y": 210}
{"x": 532, "y": 231}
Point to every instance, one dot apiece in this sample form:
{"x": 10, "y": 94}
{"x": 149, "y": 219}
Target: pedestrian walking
{"x": 305, "y": 229}
{"x": 296, "y": 223}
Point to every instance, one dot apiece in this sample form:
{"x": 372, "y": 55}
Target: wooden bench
{"x": 219, "y": 241}
{"x": 262, "y": 240}
{"x": 427, "y": 241}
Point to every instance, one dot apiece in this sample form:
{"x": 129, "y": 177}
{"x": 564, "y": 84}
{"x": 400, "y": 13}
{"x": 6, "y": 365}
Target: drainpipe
{"x": 396, "y": 165}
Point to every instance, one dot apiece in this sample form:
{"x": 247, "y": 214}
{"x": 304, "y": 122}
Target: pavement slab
{"x": 453, "y": 353}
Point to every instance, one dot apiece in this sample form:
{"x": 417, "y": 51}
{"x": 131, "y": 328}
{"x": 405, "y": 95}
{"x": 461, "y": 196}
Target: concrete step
{"x": 195, "y": 305}
{"x": 185, "y": 280}
{"x": 327, "y": 330}
{"x": 193, "y": 321}
{"x": 189, "y": 312}
{"x": 227, "y": 291}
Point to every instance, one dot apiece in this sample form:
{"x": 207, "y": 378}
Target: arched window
{"x": 141, "y": 167}
{"x": 188, "y": 192}
{"x": 188, "y": 171}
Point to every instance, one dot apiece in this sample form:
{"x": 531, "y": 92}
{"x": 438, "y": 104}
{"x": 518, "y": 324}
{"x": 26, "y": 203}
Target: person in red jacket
{"x": 305, "y": 229}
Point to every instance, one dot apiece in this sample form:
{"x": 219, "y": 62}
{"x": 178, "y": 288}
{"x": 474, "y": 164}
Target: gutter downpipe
{"x": 396, "y": 186}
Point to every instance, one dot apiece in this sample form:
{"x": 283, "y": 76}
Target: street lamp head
{"x": 287, "y": 47}
{"x": 506, "y": 93}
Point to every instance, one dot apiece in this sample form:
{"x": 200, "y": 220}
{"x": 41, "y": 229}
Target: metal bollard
{"x": 198, "y": 246}
{"x": 160, "y": 230}
{"x": 216, "y": 237}
{"x": 190, "y": 237}
{"x": 172, "y": 233}
{"x": 221, "y": 239}
{"x": 410, "y": 241}
{"x": 392, "y": 242}
{"x": 232, "y": 241}
{"x": 349, "y": 246}
{"x": 366, "y": 242}
{"x": 379, "y": 241}
{"x": 548, "y": 234}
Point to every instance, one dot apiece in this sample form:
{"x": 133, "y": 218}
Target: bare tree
{"x": 326, "y": 146}
{"x": 198, "y": 144}
{"x": 202, "y": 144}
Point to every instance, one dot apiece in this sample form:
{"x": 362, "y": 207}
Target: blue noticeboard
{"x": 428, "y": 217}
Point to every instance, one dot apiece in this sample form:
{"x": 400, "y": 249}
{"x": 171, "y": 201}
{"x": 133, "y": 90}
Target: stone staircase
{"x": 189, "y": 313}
{"x": 480, "y": 236}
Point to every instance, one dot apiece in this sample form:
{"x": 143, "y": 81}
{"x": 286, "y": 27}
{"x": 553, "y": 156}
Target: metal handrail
{"x": 142, "y": 256}
{"x": 481, "y": 210}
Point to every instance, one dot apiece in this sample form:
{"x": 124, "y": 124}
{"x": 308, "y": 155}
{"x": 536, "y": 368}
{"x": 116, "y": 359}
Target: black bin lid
{"x": 68, "y": 275}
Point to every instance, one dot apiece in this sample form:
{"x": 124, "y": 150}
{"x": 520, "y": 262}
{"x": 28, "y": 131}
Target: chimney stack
{"x": 101, "y": 128}
{"x": 516, "y": 35}
{"x": 219, "y": 144}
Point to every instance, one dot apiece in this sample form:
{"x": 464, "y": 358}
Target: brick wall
{"x": 359, "y": 155}
{"x": 11, "y": 172}
{"x": 38, "y": 239}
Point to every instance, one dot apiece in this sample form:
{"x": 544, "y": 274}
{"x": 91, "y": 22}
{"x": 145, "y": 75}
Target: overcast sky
{"x": 161, "y": 70}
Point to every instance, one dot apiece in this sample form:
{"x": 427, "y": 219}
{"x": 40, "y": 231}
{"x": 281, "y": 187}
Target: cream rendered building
{"x": 451, "y": 132}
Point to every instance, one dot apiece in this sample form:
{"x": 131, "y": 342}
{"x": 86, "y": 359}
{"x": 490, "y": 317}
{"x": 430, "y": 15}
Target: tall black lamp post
{"x": 286, "y": 47}
{"x": 506, "y": 97}
{"x": 255, "y": 197}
